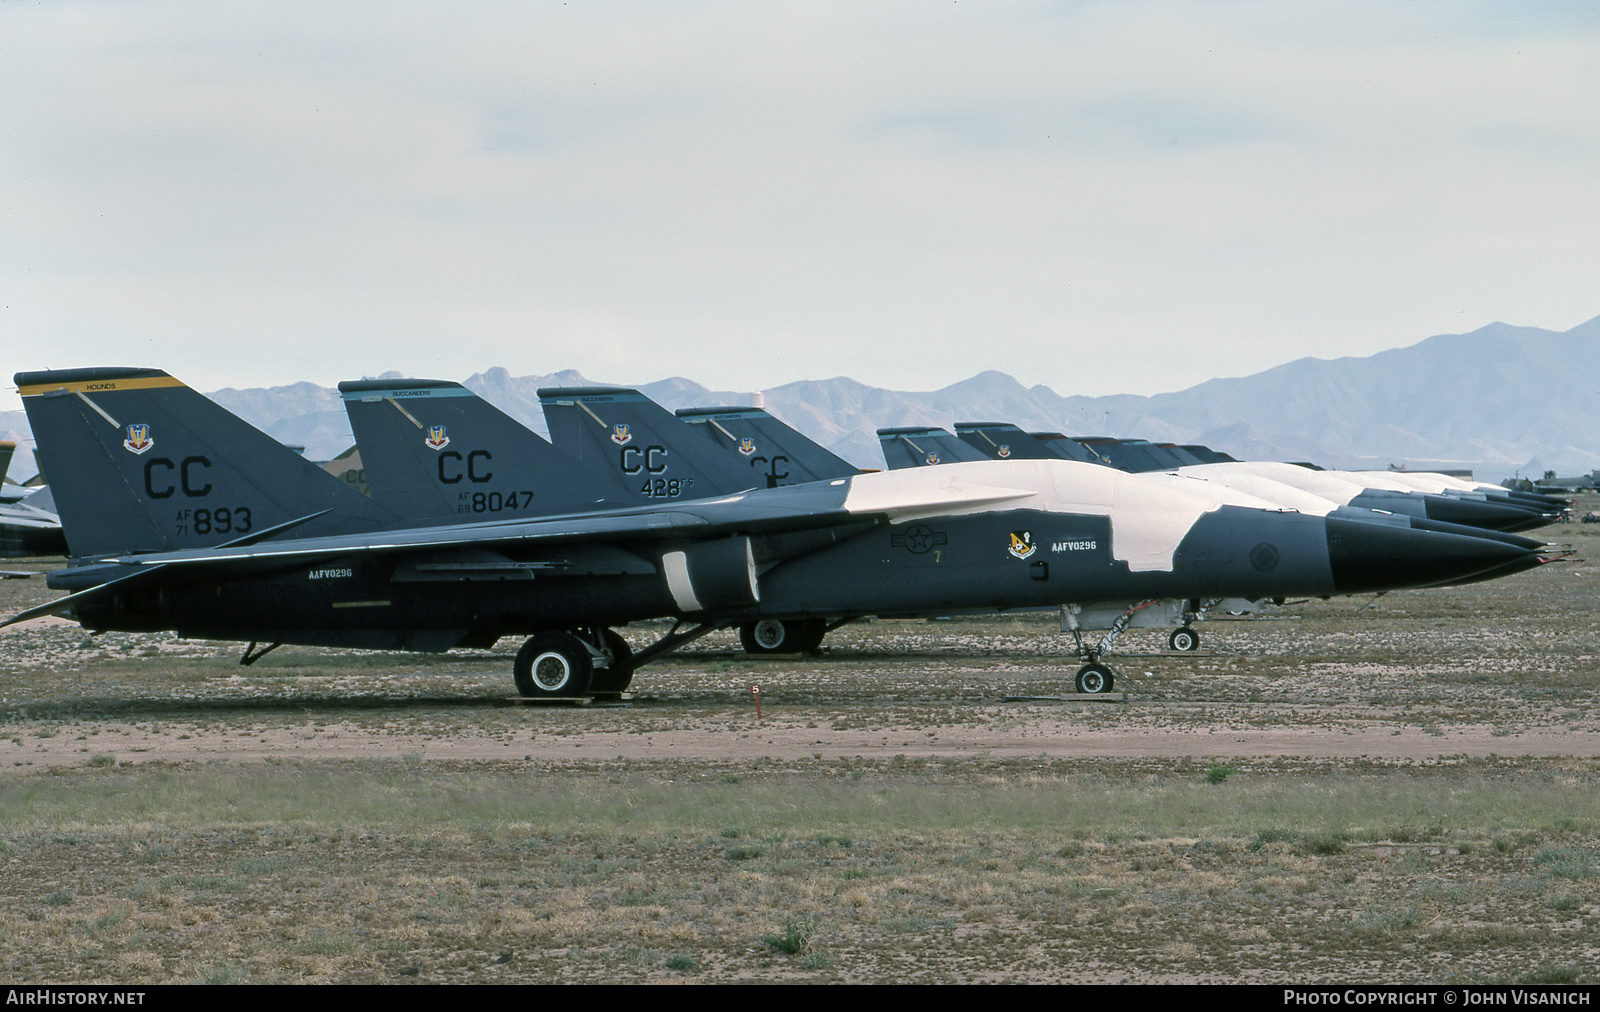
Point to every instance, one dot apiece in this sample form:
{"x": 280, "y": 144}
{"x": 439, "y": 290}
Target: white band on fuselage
{"x": 676, "y": 566}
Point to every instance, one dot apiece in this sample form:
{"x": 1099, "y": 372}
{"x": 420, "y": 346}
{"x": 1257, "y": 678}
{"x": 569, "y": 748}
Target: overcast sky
{"x": 1122, "y": 197}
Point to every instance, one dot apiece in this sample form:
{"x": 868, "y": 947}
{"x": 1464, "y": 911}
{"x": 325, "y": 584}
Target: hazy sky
{"x": 1102, "y": 197}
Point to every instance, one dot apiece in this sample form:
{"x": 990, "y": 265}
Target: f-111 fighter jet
{"x": 489, "y": 447}
{"x": 184, "y": 518}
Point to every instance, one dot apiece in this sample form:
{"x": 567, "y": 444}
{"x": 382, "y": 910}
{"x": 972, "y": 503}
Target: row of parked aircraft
{"x": 180, "y": 516}
{"x": 28, "y": 522}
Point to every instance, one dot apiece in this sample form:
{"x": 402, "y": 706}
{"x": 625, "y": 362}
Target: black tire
{"x": 553, "y": 665}
{"x": 808, "y": 635}
{"x": 782, "y": 636}
{"x": 1093, "y": 679}
{"x": 1185, "y": 639}
{"x": 615, "y": 677}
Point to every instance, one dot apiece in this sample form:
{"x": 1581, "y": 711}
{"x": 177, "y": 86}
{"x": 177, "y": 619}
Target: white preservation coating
{"x": 1396, "y": 480}
{"x": 1289, "y": 496}
{"x": 1423, "y": 481}
{"x": 1149, "y": 513}
{"x": 1325, "y": 484}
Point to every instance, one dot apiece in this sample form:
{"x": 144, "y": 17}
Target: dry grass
{"x": 1469, "y": 872}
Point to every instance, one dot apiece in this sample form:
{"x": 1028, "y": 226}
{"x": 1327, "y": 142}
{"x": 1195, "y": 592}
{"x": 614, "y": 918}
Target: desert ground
{"x": 1390, "y": 789}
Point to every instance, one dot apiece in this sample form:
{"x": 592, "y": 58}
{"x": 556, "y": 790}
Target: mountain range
{"x": 1499, "y": 400}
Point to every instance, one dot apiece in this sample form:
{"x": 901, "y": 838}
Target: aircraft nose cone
{"x": 1547, "y": 503}
{"x": 1477, "y": 513}
{"x": 1367, "y": 557}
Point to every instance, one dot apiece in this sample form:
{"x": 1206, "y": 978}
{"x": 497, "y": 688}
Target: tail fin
{"x": 1002, "y": 441}
{"x": 920, "y": 446}
{"x": 778, "y": 454}
{"x": 641, "y": 443}
{"x": 1057, "y": 444}
{"x": 140, "y": 462}
{"x": 434, "y": 450}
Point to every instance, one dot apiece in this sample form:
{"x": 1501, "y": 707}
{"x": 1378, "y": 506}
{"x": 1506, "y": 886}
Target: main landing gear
{"x": 1184, "y": 639}
{"x": 782, "y": 636}
{"x": 573, "y": 665}
{"x": 597, "y": 662}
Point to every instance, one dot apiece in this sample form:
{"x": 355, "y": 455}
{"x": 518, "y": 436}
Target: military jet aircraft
{"x": 184, "y": 518}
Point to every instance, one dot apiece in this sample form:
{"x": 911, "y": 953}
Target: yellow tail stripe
{"x": 102, "y": 385}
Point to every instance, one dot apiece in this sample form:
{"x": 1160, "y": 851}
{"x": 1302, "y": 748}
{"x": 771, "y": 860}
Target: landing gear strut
{"x": 613, "y": 679}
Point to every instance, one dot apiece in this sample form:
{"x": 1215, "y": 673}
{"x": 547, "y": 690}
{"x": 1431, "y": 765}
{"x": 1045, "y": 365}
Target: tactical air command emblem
{"x": 747, "y": 446}
{"x": 138, "y": 439}
{"x": 1004, "y": 451}
{"x": 1022, "y": 544}
{"x": 437, "y": 440}
{"x": 620, "y": 435}
{"x": 933, "y": 457}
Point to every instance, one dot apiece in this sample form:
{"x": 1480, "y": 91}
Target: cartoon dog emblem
{"x": 437, "y": 440}
{"x": 1022, "y": 544}
{"x": 138, "y": 439}
{"x": 933, "y": 457}
{"x": 620, "y": 434}
{"x": 747, "y": 446}
{"x": 1004, "y": 451}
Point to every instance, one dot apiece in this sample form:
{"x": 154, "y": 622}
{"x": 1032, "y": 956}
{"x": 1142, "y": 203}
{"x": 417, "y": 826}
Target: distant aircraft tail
{"x": 777, "y": 453}
{"x": 921, "y": 446}
{"x": 433, "y": 450}
{"x": 140, "y": 462}
{"x": 651, "y": 452}
{"x": 1002, "y": 441}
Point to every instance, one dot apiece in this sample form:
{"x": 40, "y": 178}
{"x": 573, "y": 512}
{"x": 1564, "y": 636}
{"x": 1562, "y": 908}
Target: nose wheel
{"x": 1094, "y": 679}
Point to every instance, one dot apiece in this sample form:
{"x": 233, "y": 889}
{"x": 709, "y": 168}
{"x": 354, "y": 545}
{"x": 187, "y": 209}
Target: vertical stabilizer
{"x": 641, "y": 444}
{"x": 433, "y": 451}
{"x": 776, "y": 452}
{"x": 921, "y": 446}
{"x": 1002, "y": 441}
{"x": 140, "y": 462}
